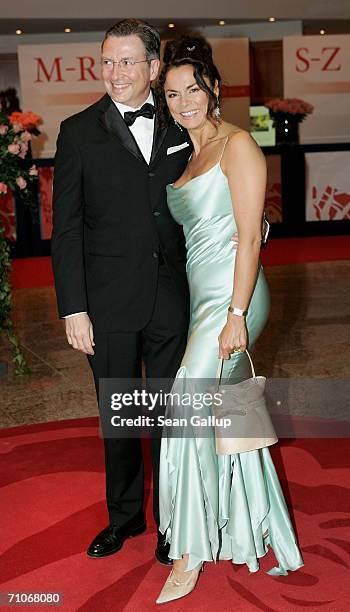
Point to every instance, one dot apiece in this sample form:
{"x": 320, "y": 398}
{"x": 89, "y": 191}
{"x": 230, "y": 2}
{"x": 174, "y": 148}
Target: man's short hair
{"x": 147, "y": 33}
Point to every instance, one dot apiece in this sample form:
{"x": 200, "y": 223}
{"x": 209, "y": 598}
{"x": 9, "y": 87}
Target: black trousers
{"x": 160, "y": 345}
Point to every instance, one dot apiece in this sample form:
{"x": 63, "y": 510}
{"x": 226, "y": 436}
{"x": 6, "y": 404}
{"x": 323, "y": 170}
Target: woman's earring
{"x": 217, "y": 113}
{"x": 177, "y": 125}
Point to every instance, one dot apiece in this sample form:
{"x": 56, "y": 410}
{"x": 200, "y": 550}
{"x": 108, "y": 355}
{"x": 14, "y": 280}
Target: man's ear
{"x": 154, "y": 69}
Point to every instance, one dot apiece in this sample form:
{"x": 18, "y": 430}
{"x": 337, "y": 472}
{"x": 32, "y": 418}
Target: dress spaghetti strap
{"x": 223, "y": 149}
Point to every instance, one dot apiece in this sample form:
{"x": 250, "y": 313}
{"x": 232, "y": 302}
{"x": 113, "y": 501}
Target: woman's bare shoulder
{"x": 241, "y": 146}
{"x": 238, "y": 138}
{"x": 236, "y": 134}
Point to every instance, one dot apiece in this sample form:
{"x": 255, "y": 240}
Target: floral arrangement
{"x": 26, "y": 121}
{"x": 15, "y": 135}
{"x": 295, "y": 108}
{"x": 16, "y": 173}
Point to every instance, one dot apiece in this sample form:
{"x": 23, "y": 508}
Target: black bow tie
{"x": 147, "y": 110}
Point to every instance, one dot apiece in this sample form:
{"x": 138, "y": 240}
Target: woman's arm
{"x": 245, "y": 167}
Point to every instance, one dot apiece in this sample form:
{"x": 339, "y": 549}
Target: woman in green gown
{"x": 217, "y": 507}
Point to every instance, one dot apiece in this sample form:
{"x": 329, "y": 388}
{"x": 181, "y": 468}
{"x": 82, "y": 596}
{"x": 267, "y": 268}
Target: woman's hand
{"x": 233, "y": 337}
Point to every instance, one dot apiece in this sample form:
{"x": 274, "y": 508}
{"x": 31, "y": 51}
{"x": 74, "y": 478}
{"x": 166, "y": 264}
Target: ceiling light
{"x": 272, "y": 19}
{"x": 222, "y": 22}
{"x": 322, "y": 31}
{"x": 67, "y": 30}
{"x": 171, "y": 25}
{"x": 19, "y": 32}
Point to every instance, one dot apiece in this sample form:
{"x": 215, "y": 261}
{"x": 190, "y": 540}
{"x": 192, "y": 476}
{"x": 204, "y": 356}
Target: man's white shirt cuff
{"x": 74, "y": 314}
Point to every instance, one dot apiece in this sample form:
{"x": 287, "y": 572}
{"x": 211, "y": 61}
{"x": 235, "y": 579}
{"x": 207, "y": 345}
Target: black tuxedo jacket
{"x": 110, "y": 218}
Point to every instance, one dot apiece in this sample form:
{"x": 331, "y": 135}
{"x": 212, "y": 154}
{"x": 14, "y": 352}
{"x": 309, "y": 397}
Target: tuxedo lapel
{"x": 158, "y": 138}
{"x": 114, "y": 123}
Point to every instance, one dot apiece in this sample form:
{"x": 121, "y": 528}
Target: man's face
{"x": 127, "y": 84}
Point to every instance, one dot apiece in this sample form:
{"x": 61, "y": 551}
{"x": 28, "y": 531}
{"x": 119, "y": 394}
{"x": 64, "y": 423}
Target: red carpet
{"x": 283, "y": 251}
{"x": 52, "y": 504}
{"x": 37, "y": 271}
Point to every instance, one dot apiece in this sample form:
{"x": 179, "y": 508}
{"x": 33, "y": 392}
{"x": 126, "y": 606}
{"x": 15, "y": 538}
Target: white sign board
{"x": 317, "y": 69}
{"x": 328, "y": 186}
{"x": 56, "y": 82}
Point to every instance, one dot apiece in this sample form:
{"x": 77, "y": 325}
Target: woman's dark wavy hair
{"x": 197, "y": 52}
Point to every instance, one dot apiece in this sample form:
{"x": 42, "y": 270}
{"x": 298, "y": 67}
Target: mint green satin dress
{"x": 218, "y": 507}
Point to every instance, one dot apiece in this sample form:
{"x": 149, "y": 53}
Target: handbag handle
{"x": 221, "y": 365}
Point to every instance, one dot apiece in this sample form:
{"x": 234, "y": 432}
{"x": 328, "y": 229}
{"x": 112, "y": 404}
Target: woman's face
{"x": 187, "y": 103}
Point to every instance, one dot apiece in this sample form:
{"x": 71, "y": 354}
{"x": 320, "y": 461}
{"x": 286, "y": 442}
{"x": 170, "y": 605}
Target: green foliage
{"x": 6, "y": 325}
{"x": 16, "y": 174}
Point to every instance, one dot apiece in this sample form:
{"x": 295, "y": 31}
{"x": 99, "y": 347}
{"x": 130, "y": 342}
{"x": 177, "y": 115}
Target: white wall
{"x": 8, "y": 44}
{"x": 9, "y": 76}
{"x": 253, "y": 31}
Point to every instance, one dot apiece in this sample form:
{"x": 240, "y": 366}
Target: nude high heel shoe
{"x": 179, "y": 584}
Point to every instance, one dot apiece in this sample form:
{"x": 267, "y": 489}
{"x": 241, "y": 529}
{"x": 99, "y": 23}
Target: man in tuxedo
{"x": 118, "y": 255}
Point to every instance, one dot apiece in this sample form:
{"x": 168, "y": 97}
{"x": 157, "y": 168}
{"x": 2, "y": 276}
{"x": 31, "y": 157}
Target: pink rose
{"x": 3, "y": 188}
{"x": 33, "y": 171}
{"x": 15, "y": 149}
{"x": 21, "y": 182}
{"x": 17, "y": 127}
{"x": 3, "y": 130}
{"x": 290, "y": 106}
{"x": 26, "y": 136}
{"x": 24, "y": 150}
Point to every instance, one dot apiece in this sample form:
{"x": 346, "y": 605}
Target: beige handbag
{"x": 242, "y": 422}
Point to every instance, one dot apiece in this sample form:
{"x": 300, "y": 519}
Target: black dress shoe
{"x": 162, "y": 550}
{"x": 111, "y": 539}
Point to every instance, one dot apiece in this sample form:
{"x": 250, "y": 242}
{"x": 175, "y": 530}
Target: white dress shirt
{"x": 142, "y": 130}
